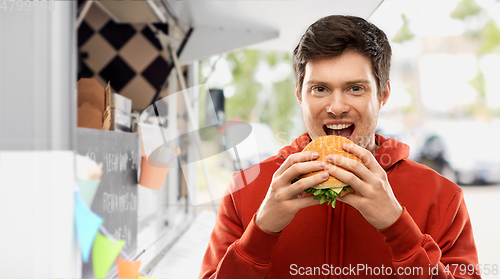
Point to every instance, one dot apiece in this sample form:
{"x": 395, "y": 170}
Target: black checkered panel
{"x": 127, "y": 55}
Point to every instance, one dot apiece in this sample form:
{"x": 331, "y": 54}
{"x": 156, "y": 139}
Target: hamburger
{"x": 329, "y": 190}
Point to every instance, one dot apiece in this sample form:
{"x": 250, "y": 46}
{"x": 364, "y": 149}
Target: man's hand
{"x": 285, "y": 198}
{"x": 374, "y": 197}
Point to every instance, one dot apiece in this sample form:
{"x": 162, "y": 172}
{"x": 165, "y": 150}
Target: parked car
{"x": 466, "y": 152}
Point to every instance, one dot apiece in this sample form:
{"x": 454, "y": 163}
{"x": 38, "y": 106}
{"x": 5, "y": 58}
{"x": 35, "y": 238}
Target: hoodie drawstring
{"x": 342, "y": 227}
{"x": 341, "y": 239}
{"x": 327, "y": 237}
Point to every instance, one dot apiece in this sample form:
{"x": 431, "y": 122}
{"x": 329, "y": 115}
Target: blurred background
{"x": 445, "y": 101}
{"x": 444, "y": 78}
{"x": 240, "y": 108}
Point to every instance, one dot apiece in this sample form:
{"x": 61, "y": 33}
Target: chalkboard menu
{"x": 116, "y": 198}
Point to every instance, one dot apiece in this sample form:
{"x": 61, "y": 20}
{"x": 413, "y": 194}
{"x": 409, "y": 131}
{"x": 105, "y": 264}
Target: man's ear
{"x": 297, "y": 95}
{"x": 385, "y": 95}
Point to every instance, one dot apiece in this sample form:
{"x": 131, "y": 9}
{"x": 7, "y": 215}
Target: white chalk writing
{"x": 117, "y": 162}
{"x": 124, "y": 233}
{"x": 116, "y": 203}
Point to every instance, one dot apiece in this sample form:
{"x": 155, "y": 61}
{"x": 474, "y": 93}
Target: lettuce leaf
{"x": 325, "y": 195}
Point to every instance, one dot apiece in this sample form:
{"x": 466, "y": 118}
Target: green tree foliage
{"x": 404, "y": 33}
{"x": 464, "y": 9}
{"x": 241, "y": 104}
{"x": 280, "y": 102}
{"x": 490, "y": 35}
{"x": 273, "y": 104}
{"x": 479, "y": 85}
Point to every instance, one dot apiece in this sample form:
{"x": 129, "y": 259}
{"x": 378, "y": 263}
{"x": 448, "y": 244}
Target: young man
{"x": 405, "y": 220}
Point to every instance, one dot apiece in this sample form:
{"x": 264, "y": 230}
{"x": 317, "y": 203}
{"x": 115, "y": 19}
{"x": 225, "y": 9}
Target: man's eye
{"x": 356, "y": 89}
{"x": 319, "y": 89}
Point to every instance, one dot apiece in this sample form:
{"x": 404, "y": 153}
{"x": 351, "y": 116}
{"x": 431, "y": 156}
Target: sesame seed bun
{"x": 325, "y": 146}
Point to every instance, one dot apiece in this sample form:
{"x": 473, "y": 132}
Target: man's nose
{"x": 336, "y": 104}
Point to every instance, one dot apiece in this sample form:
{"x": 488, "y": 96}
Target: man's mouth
{"x": 344, "y": 130}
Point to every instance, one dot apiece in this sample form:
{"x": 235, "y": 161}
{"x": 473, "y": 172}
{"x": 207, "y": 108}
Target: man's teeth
{"x": 338, "y": 126}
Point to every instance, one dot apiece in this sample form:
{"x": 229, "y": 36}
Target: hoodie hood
{"x": 390, "y": 151}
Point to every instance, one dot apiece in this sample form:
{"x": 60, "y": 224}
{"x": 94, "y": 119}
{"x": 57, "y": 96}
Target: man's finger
{"x": 304, "y": 202}
{"x": 352, "y": 166}
{"x": 298, "y": 169}
{"x": 296, "y": 158}
{"x": 351, "y": 199}
{"x": 364, "y": 155}
{"x": 347, "y": 177}
{"x": 305, "y": 183}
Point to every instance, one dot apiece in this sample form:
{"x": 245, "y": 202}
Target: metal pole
{"x": 83, "y": 13}
{"x": 187, "y": 102}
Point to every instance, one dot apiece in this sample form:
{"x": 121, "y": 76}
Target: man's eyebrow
{"x": 313, "y": 81}
{"x": 357, "y": 81}
{"x": 350, "y": 82}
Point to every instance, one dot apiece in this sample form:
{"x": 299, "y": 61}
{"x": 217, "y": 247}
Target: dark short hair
{"x": 332, "y": 35}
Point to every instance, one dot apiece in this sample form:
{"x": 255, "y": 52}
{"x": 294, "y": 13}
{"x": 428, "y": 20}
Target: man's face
{"x": 339, "y": 97}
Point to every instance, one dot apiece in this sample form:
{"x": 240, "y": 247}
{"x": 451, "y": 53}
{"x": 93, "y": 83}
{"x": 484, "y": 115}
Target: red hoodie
{"x": 432, "y": 234}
